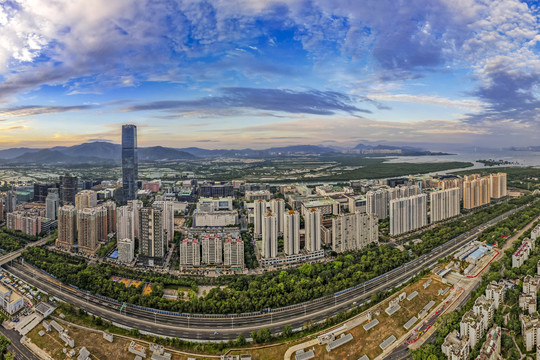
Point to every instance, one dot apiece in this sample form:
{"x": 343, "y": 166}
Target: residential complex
{"x": 444, "y": 204}
{"x": 354, "y": 231}
{"x": 408, "y": 214}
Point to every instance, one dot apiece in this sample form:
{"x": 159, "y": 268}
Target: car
{"x": 216, "y": 333}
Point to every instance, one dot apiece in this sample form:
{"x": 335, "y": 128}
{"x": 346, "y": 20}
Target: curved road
{"x": 204, "y": 327}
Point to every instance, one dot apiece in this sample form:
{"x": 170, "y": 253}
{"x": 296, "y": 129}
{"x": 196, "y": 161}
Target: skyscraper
{"x": 408, "y": 214}
{"x": 444, "y": 204}
{"x": 67, "y": 226}
{"x": 151, "y": 235}
{"x": 130, "y": 167}
{"x": 259, "y": 211}
{"x": 51, "y": 204}
{"x": 377, "y": 203}
{"x": 354, "y": 231}
{"x": 313, "y": 230}
{"x": 88, "y": 229}
{"x": 291, "y": 233}
{"x": 11, "y": 201}
{"x": 68, "y": 189}
{"x": 269, "y": 237}
{"x": 85, "y": 199}
{"x": 277, "y": 206}
{"x": 1, "y": 208}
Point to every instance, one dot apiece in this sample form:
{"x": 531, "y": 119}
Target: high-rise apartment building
{"x": 277, "y": 207}
{"x": 498, "y": 185}
{"x": 408, "y": 214}
{"x": 110, "y": 206}
{"x": 377, "y": 203}
{"x": 1, "y": 208}
{"x": 354, "y": 231}
{"x": 130, "y": 162}
{"x": 444, "y": 204}
{"x": 26, "y": 222}
{"x": 269, "y": 237}
{"x": 190, "y": 252}
{"x": 88, "y": 230}
{"x": 85, "y": 199}
{"x": 313, "y": 230}
{"x": 476, "y": 191}
{"x": 67, "y": 226}
{"x": 259, "y": 212}
{"x": 68, "y": 189}
{"x": 233, "y": 252}
{"x": 151, "y": 235}
{"x": 52, "y": 202}
{"x": 101, "y": 219}
{"x": 11, "y": 201}
{"x": 126, "y": 250}
{"x": 291, "y": 233}
{"x": 168, "y": 218}
{"x": 212, "y": 249}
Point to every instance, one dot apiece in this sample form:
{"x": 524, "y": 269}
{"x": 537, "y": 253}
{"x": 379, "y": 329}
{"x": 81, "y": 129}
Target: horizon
{"x": 251, "y": 74}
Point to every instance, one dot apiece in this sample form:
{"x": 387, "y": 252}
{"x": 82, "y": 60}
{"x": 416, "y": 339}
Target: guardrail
{"x": 309, "y": 302}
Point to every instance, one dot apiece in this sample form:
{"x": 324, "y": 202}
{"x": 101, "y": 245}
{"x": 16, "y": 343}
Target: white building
{"x": 354, "y": 231}
{"x": 212, "y": 249}
{"x": 269, "y": 237}
{"x": 291, "y": 234}
{"x": 313, "y": 230}
{"x": 408, "y": 214}
{"x": 233, "y": 252}
{"x": 126, "y": 250}
{"x": 209, "y": 205}
{"x": 215, "y": 219}
{"x": 258, "y": 213}
{"x": 51, "y": 204}
{"x": 444, "y": 204}
{"x": 190, "y": 252}
{"x": 10, "y": 300}
{"x": 277, "y": 207}
{"x": 456, "y": 347}
{"x": 522, "y": 253}
{"x": 377, "y": 203}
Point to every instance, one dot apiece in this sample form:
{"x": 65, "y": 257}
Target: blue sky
{"x": 251, "y": 73}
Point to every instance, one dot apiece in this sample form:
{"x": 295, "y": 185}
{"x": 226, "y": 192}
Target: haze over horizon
{"x": 257, "y": 74}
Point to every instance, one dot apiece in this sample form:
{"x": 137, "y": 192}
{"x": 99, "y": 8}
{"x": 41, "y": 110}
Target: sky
{"x": 254, "y": 73}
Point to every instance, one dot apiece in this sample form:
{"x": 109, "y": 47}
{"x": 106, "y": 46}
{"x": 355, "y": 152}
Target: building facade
{"x": 408, "y": 214}
{"x": 130, "y": 162}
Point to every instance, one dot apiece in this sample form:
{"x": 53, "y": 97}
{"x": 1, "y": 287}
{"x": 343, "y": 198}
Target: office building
{"x": 68, "y": 189}
{"x": 259, "y": 212}
{"x": 67, "y": 226}
{"x": 11, "y": 201}
{"x": 126, "y": 250}
{"x": 41, "y": 191}
{"x": 233, "y": 252}
{"x": 444, "y": 204}
{"x": 52, "y": 202}
{"x": 377, "y": 203}
{"x": 210, "y": 205}
{"x": 88, "y": 230}
{"x": 313, "y": 231}
{"x": 277, "y": 207}
{"x": 130, "y": 162}
{"x": 269, "y": 236}
{"x": 216, "y": 219}
{"x": 498, "y": 185}
{"x": 354, "y": 231}
{"x": 258, "y": 195}
{"x": 190, "y": 253}
{"x": 212, "y": 249}
{"x": 408, "y": 214}
{"x": 85, "y": 199}
{"x": 152, "y": 239}
{"x": 216, "y": 189}
{"x": 291, "y": 233}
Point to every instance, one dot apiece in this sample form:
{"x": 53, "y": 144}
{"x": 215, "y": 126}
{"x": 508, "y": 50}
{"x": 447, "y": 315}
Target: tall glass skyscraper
{"x": 130, "y": 166}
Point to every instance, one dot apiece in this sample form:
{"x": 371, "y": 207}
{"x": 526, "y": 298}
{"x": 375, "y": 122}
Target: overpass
{"x": 15, "y": 254}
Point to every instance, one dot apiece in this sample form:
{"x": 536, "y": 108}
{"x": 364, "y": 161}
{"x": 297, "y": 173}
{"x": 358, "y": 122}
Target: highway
{"x": 204, "y": 327}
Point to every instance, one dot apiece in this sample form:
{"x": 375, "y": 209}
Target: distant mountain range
{"x": 100, "y": 152}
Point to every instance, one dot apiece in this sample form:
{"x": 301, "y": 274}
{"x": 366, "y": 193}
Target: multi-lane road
{"x": 225, "y": 327}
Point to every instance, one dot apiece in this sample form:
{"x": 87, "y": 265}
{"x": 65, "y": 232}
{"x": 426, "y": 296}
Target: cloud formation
{"x": 290, "y": 101}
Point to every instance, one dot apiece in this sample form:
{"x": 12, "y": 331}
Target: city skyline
{"x": 261, "y": 73}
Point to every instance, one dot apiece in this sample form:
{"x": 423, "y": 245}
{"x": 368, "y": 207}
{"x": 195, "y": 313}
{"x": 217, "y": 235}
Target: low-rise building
{"x": 10, "y": 300}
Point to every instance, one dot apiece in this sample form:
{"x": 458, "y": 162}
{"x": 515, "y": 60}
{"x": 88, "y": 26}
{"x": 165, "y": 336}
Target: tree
{"x": 4, "y": 343}
{"x": 287, "y": 331}
{"x": 240, "y": 340}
